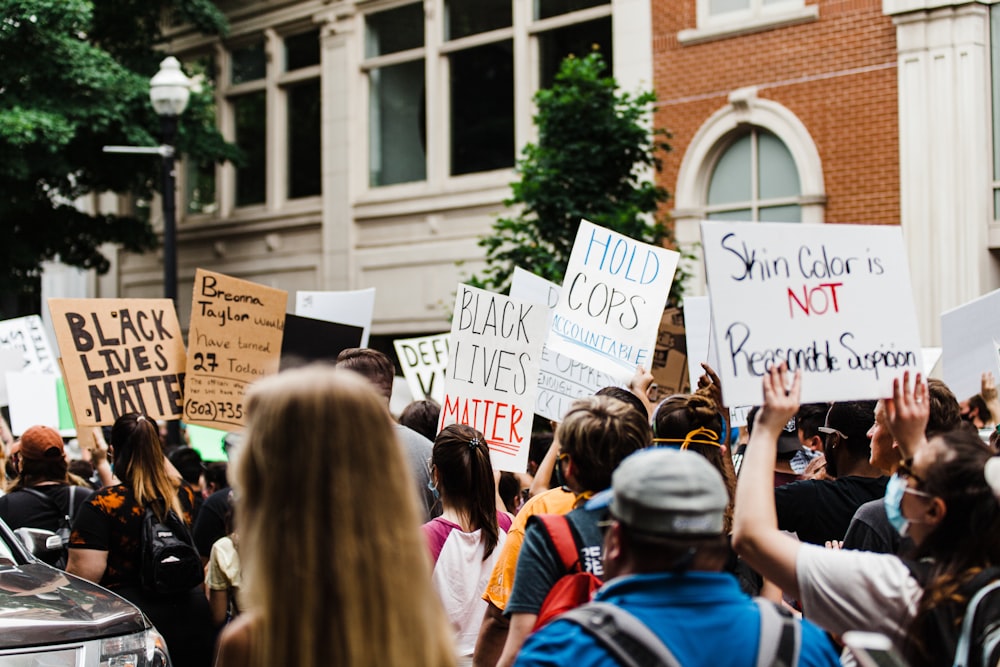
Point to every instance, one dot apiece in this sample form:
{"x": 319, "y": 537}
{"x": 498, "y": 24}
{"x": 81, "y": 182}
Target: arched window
{"x": 754, "y": 179}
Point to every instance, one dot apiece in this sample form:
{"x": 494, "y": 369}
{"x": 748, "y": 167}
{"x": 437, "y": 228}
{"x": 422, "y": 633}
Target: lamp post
{"x": 169, "y": 90}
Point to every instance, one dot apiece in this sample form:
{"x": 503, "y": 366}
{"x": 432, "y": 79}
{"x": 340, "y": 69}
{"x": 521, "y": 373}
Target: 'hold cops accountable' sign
{"x": 612, "y": 300}
{"x": 492, "y": 375}
{"x": 120, "y": 356}
{"x": 234, "y": 339}
{"x": 832, "y": 300}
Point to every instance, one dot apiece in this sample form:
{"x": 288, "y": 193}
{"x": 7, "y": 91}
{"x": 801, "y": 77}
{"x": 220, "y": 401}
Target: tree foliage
{"x": 592, "y": 160}
{"x": 74, "y": 77}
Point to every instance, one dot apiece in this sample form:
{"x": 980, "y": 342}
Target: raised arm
{"x": 907, "y": 413}
{"x": 755, "y": 526}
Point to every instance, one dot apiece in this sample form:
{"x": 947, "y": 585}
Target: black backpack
{"x": 170, "y": 561}
{"x": 976, "y": 641}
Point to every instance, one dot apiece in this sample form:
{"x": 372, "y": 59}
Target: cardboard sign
{"x": 561, "y": 379}
{"x": 831, "y": 300}
{"x": 27, "y": 336}
{"x": 612, "y": 300}
{"x": 968, "y": 348}
{"x": 120, "y": 356}
{"x": 669, "y": 366}
{"x": 306, "y": 339}
{"x": 354, "y": 307}
{"x": 492, "y": 372}
{"x": 424, "y": 362}
{"x": 234, "y": 339}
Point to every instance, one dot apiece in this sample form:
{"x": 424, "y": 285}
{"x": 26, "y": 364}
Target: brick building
{"x": 850, "y": 111}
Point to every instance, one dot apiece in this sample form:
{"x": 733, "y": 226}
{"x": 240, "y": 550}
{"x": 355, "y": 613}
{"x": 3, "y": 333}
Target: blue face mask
{"x": 892, "y": 500}
{"x": 433, "y": 489}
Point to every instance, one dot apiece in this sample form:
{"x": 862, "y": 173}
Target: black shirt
{"x": 22, "y": 508}
{"x": 820, "y": 509}
{"x": 210, "y": 524}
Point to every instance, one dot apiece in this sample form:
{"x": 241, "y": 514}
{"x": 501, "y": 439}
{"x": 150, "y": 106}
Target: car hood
{"x": 40, "y": 604}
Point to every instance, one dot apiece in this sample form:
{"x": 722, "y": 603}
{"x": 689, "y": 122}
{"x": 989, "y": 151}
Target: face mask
{"x": 433, "y": 489}
{"x": 892, "y": 500}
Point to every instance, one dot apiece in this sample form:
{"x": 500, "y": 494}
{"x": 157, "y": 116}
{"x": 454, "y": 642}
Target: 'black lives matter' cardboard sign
{"x": 120, "y": 356}
{"x": 234, "y": 339}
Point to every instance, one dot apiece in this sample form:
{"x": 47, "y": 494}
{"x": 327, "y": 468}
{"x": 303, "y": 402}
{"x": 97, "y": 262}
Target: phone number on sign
{"x": 220, "y": 411}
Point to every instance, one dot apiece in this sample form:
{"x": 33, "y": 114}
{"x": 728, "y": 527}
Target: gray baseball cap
{"x": 665, "y": 492}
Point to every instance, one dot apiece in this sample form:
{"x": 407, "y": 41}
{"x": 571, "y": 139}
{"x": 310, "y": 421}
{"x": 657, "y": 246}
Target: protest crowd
{"x": 635, "y": 529}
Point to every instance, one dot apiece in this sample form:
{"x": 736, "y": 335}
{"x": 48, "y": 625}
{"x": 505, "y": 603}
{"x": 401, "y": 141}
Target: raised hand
{"x": 780, "y": 404}
{"x": 907, "y": 413}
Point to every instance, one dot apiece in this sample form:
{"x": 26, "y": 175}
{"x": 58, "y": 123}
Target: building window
{"x": 755, "y": 179}
{"x": 281, "y": 156}
{"x": 475, "y": 65}
{"x": 199, "y": 177}
{"x": 716, "y": 11}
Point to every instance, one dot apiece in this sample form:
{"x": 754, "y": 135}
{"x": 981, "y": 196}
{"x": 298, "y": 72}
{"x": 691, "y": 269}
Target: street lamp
{"x": 169, "y": 90}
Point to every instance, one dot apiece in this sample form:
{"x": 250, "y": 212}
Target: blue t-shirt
{"x": 702, "y": 617}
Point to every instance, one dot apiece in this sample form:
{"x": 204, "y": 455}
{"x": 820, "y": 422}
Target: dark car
{"x": 51, "y": 618}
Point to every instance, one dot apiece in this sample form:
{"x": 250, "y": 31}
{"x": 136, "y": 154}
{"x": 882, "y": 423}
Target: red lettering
{"x": 809, "y": 305}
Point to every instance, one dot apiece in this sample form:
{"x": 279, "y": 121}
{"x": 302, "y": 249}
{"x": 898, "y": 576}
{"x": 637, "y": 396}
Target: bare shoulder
{"x": 235, "y": 643}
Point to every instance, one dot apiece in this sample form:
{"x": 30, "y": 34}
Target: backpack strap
{"x": 72, "y": 503}
{"x": 629, "y": 641}
{"x": 562, "y": 538}
{"x": 780, "y": 636}
{"x": 962, "y": 657}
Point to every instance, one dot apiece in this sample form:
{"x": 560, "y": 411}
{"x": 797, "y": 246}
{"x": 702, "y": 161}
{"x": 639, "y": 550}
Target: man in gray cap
{"x": 664, "y": 550}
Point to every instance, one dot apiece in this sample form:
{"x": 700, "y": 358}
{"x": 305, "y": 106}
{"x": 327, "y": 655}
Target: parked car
{"x": 51, "y": 618}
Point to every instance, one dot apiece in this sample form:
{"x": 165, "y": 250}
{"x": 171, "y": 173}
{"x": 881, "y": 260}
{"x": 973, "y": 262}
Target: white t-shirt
{"x": 460, "y": 576}
{"x": 843, "y": 590}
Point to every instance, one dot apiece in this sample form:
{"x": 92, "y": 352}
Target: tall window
{"x": 755, "y": 179}
{"x": 199, "y": 177}
{"x": 248, "y": 104}
{"x": 277, "y": 75}
{"x": 475, "y": 70}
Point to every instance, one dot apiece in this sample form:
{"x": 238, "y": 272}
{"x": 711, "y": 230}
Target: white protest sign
{"x": 492, "y": 371}
{"x": 697, "y": 334}
{"x": 612, "y": 301}
{"x": 831, "y": 300}
{"x": 561, "y": 380}
{"x": 424, "y": 361}
{"x": 34, "y": 399}
{"x": 932, "y": 355}
{"x": 968, "y": 348}
{"x": 526, "y": 286}
{"x": 354, "y": 307}
{"x": 27, "y": 336}
{"x": 11, "y": 361}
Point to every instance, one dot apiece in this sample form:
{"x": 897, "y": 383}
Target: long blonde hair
{"x": 139, "y": 462}
{"x": 335, "y": 568}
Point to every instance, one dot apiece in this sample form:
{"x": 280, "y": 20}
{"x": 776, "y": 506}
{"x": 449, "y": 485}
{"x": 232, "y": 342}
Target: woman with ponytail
{"x": 106, "y": 543}
{"x": 466, "y": 539}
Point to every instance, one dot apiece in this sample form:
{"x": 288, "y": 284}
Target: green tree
{"x": 594, "y": 152}
{"x": 74, "y": 77}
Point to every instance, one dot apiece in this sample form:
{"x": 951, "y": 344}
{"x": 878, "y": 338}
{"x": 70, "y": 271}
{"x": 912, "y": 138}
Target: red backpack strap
{"x": 561, "y": 535}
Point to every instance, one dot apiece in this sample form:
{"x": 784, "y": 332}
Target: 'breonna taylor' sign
{"x": 492, "y": 375}
{"x": 612, "y": 301}
{"x": 832, "y": 300}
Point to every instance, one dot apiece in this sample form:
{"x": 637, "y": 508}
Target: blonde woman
{"x": 105, "y": 545}
{"x": 335, "y": 568}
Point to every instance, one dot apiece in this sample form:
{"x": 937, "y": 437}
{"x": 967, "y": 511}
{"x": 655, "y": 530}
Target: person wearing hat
{"x": 42, "y": 494}
{"x": 820, "y": 510}
{"x": 664, "y": 550}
